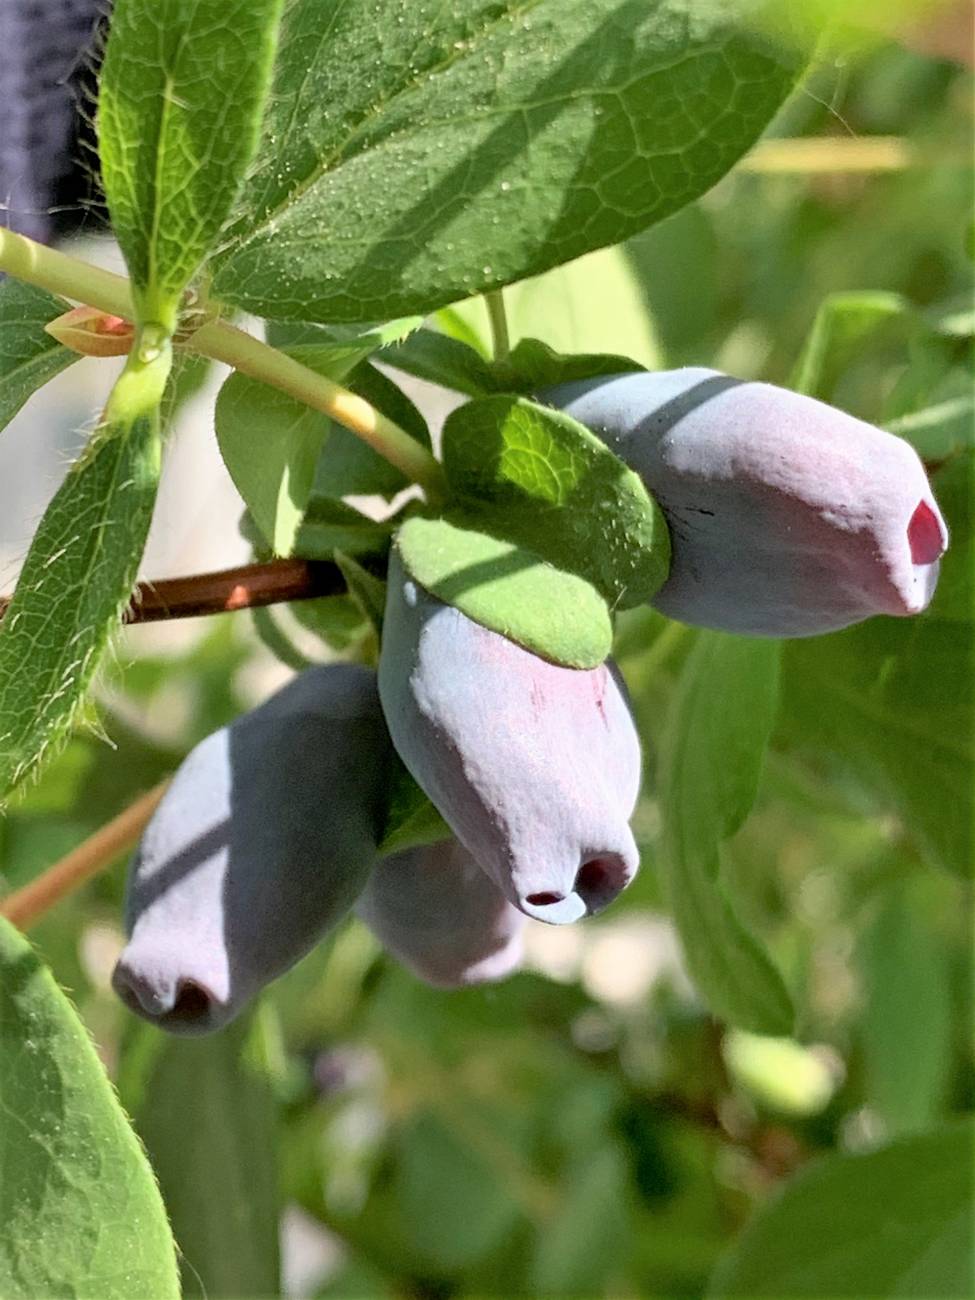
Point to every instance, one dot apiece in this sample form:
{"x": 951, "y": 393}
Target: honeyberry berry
{"x": 261, "y": 844}
{"x": 440, "y": 915}
{"x": 787, "y": 516}
{"x": 535, "y": 767}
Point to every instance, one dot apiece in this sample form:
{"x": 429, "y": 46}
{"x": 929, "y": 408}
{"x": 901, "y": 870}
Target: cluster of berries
{"x": 787, "y": 518}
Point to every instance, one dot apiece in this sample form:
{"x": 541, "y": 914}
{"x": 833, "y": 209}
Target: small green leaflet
{"x": 79, "y": 574}
{"x": 80, "y": 1212}
{"x": 541, "y": 480}
{"x": 711, "y": 759}
{"x": 329, "y": 525}
{"x": 443, "y": 360}
{"x": 348, "y": 466}
{"x": 29, "y": 357}
{"x": 534, "y": 366}
{"x": 894, "y": 1223}
{"x": 181, "y": 100}
{"x": 411, "y": 818}
{"x": 508, "y": 589}
{"x": 347, "y": 344}
{"x": 415, "y": 154}
{"x": 368, "y": 591}
{"x": 336, "y": 620}
{"x": 531, "y": 367}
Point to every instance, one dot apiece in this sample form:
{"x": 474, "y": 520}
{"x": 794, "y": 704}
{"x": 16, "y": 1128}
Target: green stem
{"x": 58, "y": 273}
{"x": 221, "y": 341}
{"x": 224, "y": 342}
{"x": 499, "y": 324}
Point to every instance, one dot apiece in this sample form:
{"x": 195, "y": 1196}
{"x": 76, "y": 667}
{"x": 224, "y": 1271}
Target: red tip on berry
{"x": 924, "y": 535}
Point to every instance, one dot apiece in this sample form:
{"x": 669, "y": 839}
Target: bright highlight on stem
{"x": 68, "y": 276}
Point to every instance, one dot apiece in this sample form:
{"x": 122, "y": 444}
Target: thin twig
{"x": 245, "y": 587}
{"x": 25, "y": 906}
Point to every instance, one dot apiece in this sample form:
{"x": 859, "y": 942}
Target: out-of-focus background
{"x": 585, "y": 1128}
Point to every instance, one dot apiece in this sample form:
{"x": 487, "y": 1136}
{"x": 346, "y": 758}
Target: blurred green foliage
{"x": 588, "y": 1128}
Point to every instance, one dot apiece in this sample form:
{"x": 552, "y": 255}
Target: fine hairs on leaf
{"x": 79, "y": 574}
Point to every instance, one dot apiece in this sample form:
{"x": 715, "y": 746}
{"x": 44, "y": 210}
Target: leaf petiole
{"x": 498, "y": 317}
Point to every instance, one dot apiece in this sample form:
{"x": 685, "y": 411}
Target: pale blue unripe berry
{"x": 260, "y": 846}
{"x": 535, "y": 767}
{"x": 787, "y": 516}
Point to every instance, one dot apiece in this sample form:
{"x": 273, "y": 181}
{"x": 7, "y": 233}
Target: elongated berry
{"x": 261, "y": 844}
{"x": 439, "y": 914}
{"x": 787, "y": 517}
{"x": 535, "y": 767}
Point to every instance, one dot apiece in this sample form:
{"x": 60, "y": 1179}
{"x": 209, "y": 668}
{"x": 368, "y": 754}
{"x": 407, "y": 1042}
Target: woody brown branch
{"x": 245, "y": 587}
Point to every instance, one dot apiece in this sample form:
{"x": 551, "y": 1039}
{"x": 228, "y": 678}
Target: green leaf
{"x": 905, "y": 1025}
{"x": 455, "y": 1204}
{"x": 711, "y": 759}
{"x": 336, "y": 620}
{"x": 844, "y": 322}
{"x": 29, "y": 356}
{"x": 80, "y": 1212}
{"x": 892, "y": 699}
{"x": 277, "y": 640}
{"x": 938, "y": 431}
{"x": 540, "y": 479}
{"x": 531, "y": 367}
{"x": 348, "y": 466}
{"x": 181, "y": 100}
{"x": 727, "y": 706}
{"x": 892, "y": 1223}
{"x": 508, "y": 589}
{"x": 353, "y": 618}
{"x": 368, "y": 591}
{"x": 79, "y": 573}
{"x": 205, "y": 1111}
{"x": 270, "y": 444}
{"x": 347, "y": 344}
{"x": 562, "y": 308}
{"x": 414, "y": 155}
{"x": 411, "y": 818}
{"x": 581, "y": 1248}
{"x": 291, "y": 463}
{"x": 443, "y": 360}
{"x": 534, "y": 366}
{"x": 329, "y": 525}
{"x": 731, "y": 969}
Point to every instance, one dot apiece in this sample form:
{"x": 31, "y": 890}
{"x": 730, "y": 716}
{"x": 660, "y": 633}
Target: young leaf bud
{"x": 535, "y": 767}
{"x": 260, "y": 845}
{"x": 787, "y": 517}
{"x": 92, "y": 333}
{"x": 439, "y": 914}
